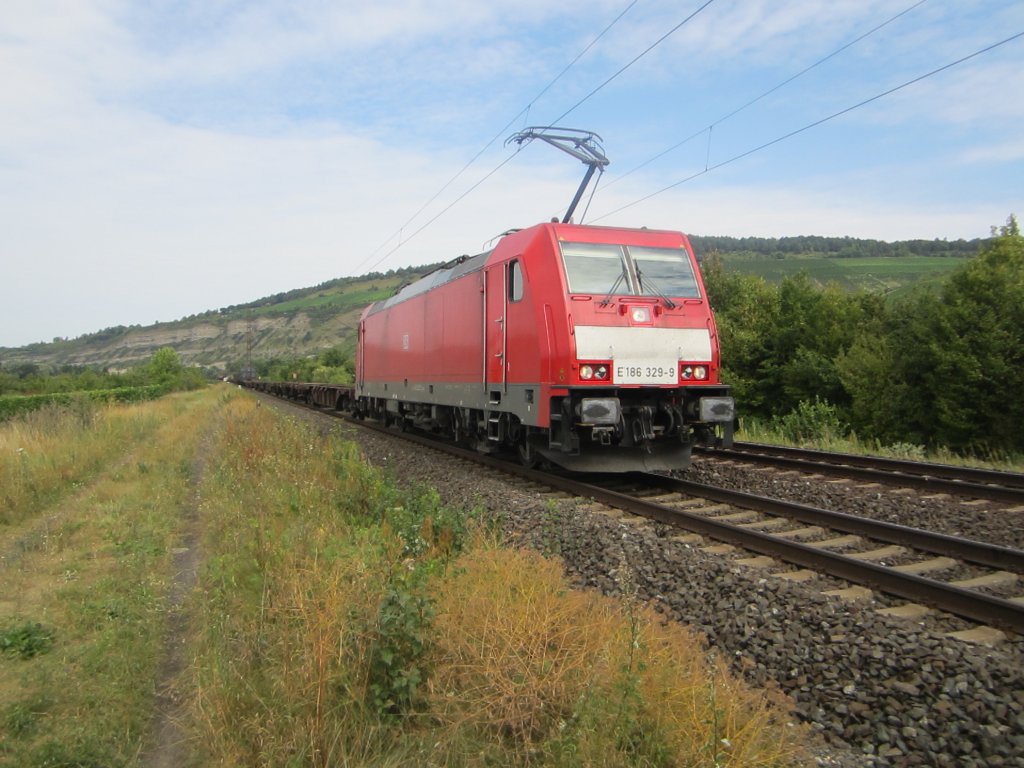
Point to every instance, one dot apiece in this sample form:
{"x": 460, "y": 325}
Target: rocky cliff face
{"x": 301, "y": 323}
{"x": 218, "y": 345}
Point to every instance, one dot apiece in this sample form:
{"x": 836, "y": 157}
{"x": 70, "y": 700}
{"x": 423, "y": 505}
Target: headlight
{"x": 595, "y": 372}
{"x": 640, "y": 314}
{"x": 693, "y": 372}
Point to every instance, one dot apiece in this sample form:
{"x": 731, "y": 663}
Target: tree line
{"x": 834, "y": 247}
{"x": 164, "y": 369}
{"x": 330, "y": 366}
{"x": 942, "y": 367}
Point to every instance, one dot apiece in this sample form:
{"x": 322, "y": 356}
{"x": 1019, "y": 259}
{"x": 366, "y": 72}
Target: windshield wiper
{"x": 611, "y": 291}
{"x": 651, "y": 284}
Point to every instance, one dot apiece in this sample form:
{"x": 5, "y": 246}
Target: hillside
{"x": 296, "y": 323}
{"x": 854, "y": 264}
{"x": 309, "y": 320}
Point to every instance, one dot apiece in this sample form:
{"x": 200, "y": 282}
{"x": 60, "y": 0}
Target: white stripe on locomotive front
{"x": 622, "y": 344}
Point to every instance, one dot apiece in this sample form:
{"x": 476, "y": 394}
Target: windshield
{"x": 594, "y": 268}
{"x": 664, "y": 272}
{"x": 629, "y": 270}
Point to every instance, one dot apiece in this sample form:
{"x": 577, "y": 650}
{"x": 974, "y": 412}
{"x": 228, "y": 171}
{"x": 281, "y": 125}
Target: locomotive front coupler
{"x": 643, "y": 428}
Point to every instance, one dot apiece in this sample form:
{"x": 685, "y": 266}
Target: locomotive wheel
{"x": 527, "y": 453}
{"x": 460, "y": 435}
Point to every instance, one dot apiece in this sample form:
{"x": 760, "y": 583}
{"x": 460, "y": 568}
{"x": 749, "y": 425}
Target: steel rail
{"x": 936, "y": 478}
{"x": 910, "y": 467}
{"x": 969, "y": 550}
{"x": 957, "y": 600}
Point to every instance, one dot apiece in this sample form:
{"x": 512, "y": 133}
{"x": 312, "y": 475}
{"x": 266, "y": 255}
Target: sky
{"x": 161, "y": 159}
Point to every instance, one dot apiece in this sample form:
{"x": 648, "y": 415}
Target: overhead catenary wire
{"x": 631, "y": 62}
{"x": 501, "y": 132}
{"x": 814, "y": 124}
{"x": 563, "y": 115}
{"x": 447, "y": 208}
{"x": 708, "y": 128}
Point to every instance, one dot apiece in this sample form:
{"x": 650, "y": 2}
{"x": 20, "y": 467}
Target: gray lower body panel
{"x": 521, "y": 400}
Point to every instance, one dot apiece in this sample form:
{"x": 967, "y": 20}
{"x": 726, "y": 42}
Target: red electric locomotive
{"x": 592, "y": 347}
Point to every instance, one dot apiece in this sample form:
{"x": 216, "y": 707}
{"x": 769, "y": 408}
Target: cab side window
{"x": 515, "y": 281}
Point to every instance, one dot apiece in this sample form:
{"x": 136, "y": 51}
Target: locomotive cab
{"x": 644, "y": 383}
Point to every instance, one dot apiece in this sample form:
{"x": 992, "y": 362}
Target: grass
{"x": 841, "y": 441}
{"x": 86, "y": 581}
{"x": 528, "y": 669}
{"x": 348, "y": 297}
{"x": 12, "y": 405}
{"x": 337, "y": 621}
{"x": 343, "y": 623}
{"x": 48, "y": 454}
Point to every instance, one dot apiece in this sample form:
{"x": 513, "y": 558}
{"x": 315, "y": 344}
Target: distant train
{"x": 594, "y": 348}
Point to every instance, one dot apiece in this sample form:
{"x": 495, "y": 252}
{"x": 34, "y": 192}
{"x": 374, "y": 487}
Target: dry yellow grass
{"x": 290, "y": 590}
{"x": 586, "y": 680}
{"x": 48, "y": 453}
{"x": 339, "y": 626}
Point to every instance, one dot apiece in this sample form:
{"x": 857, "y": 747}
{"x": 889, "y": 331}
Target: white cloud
{"x": 156, "y": 163}
{"x": 767, "y": 210}
{"x": 1005, "y": 152}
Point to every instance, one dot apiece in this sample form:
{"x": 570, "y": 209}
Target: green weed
{"x": 346, "y": 623}
{"x": 25, "y": 640}
{"x": 23, "y": 717}
{"x": 402, "y": 639}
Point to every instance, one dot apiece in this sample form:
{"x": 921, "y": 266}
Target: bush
{"x": 13, "y": 405}
{"x": 812, "y": 421}
{"x": 398, "y": 663}
{"x": 348, "y": 623}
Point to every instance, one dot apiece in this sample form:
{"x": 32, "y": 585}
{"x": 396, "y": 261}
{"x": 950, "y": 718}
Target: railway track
{"x": 672, "y": 502}
{"x": 993, "y": 485}
{"x": 807, "y": 537}
{"x": 774, "y": 528}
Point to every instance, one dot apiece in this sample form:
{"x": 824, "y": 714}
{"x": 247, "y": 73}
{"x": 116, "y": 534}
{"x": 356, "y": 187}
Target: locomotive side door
{"x": 360, "y": 357}
{"x": 495, "y": 333}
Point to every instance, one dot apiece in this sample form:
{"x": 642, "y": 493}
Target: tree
{"x": 332, "y": 358}
{"x": 780, "y": 342}
{"x": 166, "y": 369}
{"x": 882, "y": 373}
{"x": 746, "y": 308}
{"x": 948, "y": 368}
{"x": 165, "y": 366}
{"x": 977, "y": 344}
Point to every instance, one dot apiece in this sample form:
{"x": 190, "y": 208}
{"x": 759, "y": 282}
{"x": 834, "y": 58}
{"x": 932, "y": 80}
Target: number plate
{"x": 646, "y": 372}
